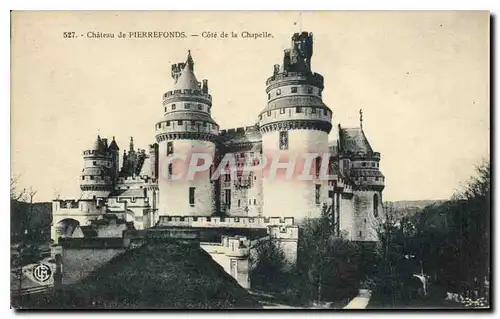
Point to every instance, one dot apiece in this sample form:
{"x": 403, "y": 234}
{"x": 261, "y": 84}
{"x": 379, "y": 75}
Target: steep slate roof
{"x": 353, "y": 140}
{"x": 113, "y": 146}
{"x": 127, "y": 193}
{"x": 163, "y": 276}
{"x": 187, "y": 80}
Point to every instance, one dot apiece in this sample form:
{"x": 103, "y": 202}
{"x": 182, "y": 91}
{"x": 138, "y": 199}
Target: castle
{"x": 141, "y": 192}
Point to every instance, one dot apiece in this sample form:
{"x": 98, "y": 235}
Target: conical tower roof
{"x": 187, "y": 80}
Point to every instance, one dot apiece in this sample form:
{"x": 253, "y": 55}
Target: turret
{"x": 186, "y": 127}
{"x": 294, "y": 122}
{"x": 97, "y": 176}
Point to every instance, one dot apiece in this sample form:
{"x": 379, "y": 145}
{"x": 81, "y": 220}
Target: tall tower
{"x": 186, "y": 128}
{"x": 295, "y": 122}
{"x": 97, "y": 173}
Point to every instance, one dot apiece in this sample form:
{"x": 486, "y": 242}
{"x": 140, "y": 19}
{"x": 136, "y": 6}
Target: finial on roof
{"x": 189, "y": 61}
{"x": 361, "y": 118}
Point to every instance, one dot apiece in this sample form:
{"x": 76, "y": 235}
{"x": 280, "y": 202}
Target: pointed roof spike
{"x": 189, "y": 61}
{"x": 361, "y": 118}
{"x": 131, "y": 143}
{"x": 113, "y": 146}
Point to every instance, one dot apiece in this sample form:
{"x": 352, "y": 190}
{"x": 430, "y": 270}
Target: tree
{"x": 269, "y": 265}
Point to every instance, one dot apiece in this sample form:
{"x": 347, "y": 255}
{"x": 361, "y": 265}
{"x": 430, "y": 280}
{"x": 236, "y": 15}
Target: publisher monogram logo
{"x": 42, "y": 272}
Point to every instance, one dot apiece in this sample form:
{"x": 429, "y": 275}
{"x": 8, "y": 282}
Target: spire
{"x": 113, "y": 146}
{"x": 187, "y": 80}
{"x": 97, "y": 144}
{"x": 189, "y": 61}
{"x": 131, "y": 144}
{"x": 361, "y": 118}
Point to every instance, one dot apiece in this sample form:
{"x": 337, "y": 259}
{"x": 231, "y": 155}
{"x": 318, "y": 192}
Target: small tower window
{"x": 360, "y": 233}
{"x": 83, "y": 178}
{"x": 168, "y": 123}
{"x": 187, "y": 106}
{"x": 282, "y": 110}
{"x": 170, "y": 171}
{"x": 278, "y": 92}
{"x": 294, "y": 89}
{"x": 179, "y": 122}
{"x": 255, "y": 202}
{"x": 200, "y": 107}
{"x": 298, "y": 109}
{"x": 325, "y": 112}
{"x": 94, "y": 163}
{"x": 239, "y": 202}
{"x": 309, "y": 90}
{"x": 170, "y": 148}
{"x": 91, "y": 178}
{"x": 375, "y": 205}
{"x": 317, "y": 193}
{"x": 268, "y": 96}
{"x": 165, "y": 109}
{"x": 283, "y": 140}
{"x": 173, "y": 106}
{"x": 268, "y": 113}
{"x": 363, "y": 164}
{"x": 313, "y": 110}
{"x": 191, "y": 195}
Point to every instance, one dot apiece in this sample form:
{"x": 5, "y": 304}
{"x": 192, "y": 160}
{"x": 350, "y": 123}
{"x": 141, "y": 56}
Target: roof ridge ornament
{"x": 361, "y": 118}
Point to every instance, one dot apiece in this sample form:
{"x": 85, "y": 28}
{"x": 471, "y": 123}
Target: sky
{"x": 421, "y": 79}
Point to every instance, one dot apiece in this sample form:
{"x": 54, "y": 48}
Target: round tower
{"x": 98, "y": 169}
{"x": 294, "y": 123}
{"x": 185, "y": 129}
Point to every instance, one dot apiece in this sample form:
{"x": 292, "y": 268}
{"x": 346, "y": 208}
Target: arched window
{"x": 375, "y": 205}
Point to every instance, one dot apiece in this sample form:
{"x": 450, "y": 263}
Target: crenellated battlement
{"x": 145, "y": 179}
{"x": 187, "y": 93}
{"x": 315, "y": 79}
{"x": 238, "y": 130}
{"x": 230, "y": 222}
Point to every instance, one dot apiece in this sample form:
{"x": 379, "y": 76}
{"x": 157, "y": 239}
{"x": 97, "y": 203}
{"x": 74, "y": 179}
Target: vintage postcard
{"x": 250, "y": 160}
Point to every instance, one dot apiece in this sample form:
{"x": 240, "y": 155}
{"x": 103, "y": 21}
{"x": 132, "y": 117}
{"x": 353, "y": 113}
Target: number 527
{"x": 68, "y": 34}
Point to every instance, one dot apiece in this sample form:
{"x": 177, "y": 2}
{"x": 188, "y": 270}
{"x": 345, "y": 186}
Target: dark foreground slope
{"x": 167, "y": 276}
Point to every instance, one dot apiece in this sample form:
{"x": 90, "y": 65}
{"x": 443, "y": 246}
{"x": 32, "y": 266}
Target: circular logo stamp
{"x": 42, "y": 272}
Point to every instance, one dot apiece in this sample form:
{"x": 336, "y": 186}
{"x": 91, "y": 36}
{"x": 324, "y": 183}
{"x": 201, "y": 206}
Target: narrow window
{"x": 313, "y": 110}
{"x": 168, "y": 123}
{"x": 94, "y": 163}
{"x": 309, "y": 90}
{"x": 170, "y": 170}
{"x": 179, "y": 122}
{"x": 165, "y": 109}
{"x": 298, "y": 109}
{"x": 255, "y": 202}
{"x": 283, "y": 140}
{"x": 294, "y": 89}
{"x": 318, "y": 190}
{"x": 268, "y": 96}
{"x": 375, "y": 205}
{"x": 228, "y": 198}
{"x": 268, "y": 113}
{"x": 200, "y": 107}
{"x": 170, "y": 148}
{"x": 187, "y": 106}
{"x": 278, "y": 92}
{"x": 318, "y": 165}
{"x": 239, "y": 202}
{"x": 91, "y": 177}
{"x": 325, "y": 112}
{"x": 173, "y": 107}
{"x": 359, "y": 233}
{"x": 282, "y": 111}
{"x": 191, "y": 195}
